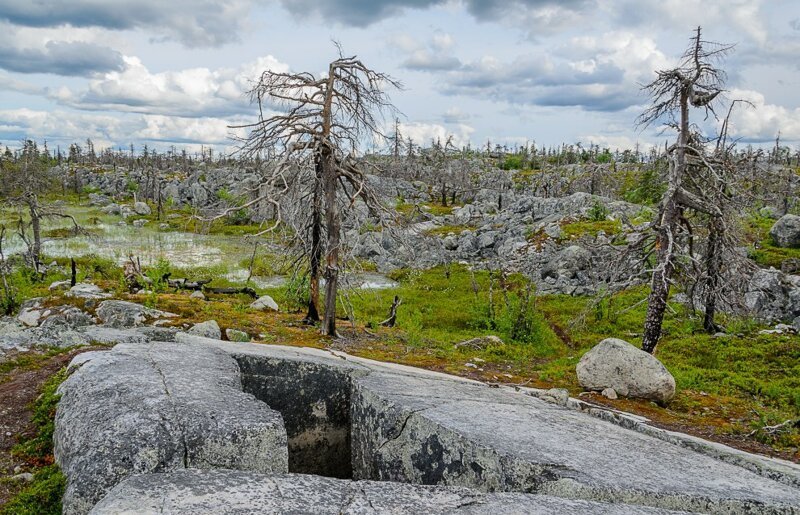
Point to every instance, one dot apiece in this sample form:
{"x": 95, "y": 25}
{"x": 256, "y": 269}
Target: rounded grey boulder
{"x": 631, "y": 372}
{"x": 786, "y": 231}
{"x": 207, "y": 329}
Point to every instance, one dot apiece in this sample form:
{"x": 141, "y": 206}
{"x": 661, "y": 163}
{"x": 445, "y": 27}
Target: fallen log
{"x": 232, "y": 291}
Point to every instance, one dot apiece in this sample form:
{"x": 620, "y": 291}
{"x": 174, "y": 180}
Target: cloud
{"x": 423, "y": 134}
{"x": 762, "y": 122}
{"x": 60, "y": 58}
{"x": 359, "y": 14}
{"x": 59, "y": 52}
{"x": 593, "y": 73}
{"x": 193, "y": 92}
{"x": 65, "y": 127}
{"x": 530, "y": 14}
{"x": 8, "y": 83}
{"x": 195, "y": 23}
{"x": 455, "y": 115}
{"x": 436, "y": 55}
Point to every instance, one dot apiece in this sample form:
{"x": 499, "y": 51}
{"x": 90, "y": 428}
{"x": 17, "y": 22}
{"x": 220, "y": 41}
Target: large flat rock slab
{"x": 429, "y": 431}
{"x": 222, "y": 492}
{"x": 417, "y": 426}
{"x": 201, "y": 403}
{"x": 145, "y": 407}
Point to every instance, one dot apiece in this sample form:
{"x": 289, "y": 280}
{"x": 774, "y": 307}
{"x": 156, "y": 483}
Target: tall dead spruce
{"x": 696, "y": 82}
{"x": 323, "y": 124}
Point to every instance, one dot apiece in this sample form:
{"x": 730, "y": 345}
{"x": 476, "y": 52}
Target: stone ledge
{"x": 222, "y": 492}
{"x": 414, "y": 426}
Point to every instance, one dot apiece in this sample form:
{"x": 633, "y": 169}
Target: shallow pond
{"x": 186, "y": 250}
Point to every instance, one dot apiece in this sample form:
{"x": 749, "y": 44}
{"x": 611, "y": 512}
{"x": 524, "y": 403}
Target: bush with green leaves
{"x": 598, "y": 212}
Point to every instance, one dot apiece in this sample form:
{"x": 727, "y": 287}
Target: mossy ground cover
{"x": 42, "y": 496}
{"x": 728, "y": 387}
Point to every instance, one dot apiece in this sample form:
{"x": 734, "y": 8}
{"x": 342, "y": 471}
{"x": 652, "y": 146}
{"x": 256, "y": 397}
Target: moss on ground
{"x": 43, "y": 495}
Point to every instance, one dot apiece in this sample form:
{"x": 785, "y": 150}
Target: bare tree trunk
{"x": 665, "y": 240}
{"x": 36, "y": 247}
{"x": 315, "y": 259}
{"x": 333, "y": 223}
{"x": 713, "y": 265}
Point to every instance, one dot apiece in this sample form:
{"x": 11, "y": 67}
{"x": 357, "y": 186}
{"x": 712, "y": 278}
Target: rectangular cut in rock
{"x": 158, "y": 407}
{"x": 221, "y": 492}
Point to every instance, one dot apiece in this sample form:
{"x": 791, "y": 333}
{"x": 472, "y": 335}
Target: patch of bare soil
{"x": 18, "y": 389}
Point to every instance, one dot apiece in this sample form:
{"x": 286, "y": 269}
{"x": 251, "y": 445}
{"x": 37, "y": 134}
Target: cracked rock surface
{"x": 233, "y": 492}
{"x": 145, "y": 407}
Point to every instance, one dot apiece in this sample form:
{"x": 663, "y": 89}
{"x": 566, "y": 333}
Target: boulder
{"x": 139, "y": 223}
{"x": 630, "y": 371}
{"x": 112, "y": 209}
{"x": 59, "y": 285}
{"x": 208, "y": 329}
{"x": 87, "y": 291}
{"x": 236, "y": 335}
{"x": 140, "y": 208}
{"x": 265, "y": 302}
{"x": 567, "y": 263}
{"x": 120, "y": 313}
{"x": 786, "y": 231}
{"x": 155, "y": 408}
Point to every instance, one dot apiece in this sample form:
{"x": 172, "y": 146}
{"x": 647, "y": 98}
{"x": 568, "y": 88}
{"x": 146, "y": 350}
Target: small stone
{"x": 59, "y": 285}
{"x": 140, "y": 208}
{"x": 25, "y": 476}
{"x": 265, "y": 302}
{"x": 236, "y": 335}
{"x": 208, "y": 329}
{"x": 609, "y": 393}
{"x": 197, "y": 295}
{"x": 470, "y": 365}
{"x": 139, "y": 222}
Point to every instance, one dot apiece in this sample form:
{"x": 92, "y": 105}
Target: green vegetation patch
{"x": 43, "y": 494}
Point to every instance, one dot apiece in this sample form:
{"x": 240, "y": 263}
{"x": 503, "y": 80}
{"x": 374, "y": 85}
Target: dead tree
{"x": 696, "y": 82}
{"x": 326, "y": 121}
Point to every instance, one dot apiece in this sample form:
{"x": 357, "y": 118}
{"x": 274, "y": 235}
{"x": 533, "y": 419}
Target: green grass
{"x": 579, "y": 228}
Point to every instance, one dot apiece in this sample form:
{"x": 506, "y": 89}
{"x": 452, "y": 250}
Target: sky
{"x": 176, "y": 72}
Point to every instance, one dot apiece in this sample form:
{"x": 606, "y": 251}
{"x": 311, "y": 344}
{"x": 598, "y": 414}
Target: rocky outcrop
{"x": 386, "y": 422}
{"x": 207, "y": 329}
{"x": 786, "y": 231}
{"x": 629, "y": 371}
{"x": 229, "y": 491}
{"x": 773, "y": 296}
{"x": 120, "y": 313}
{"x": 155, "y": 408}
{"x": 265, "y": 302}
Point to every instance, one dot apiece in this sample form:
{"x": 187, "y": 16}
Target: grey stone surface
{"x": 120, "y": 313}
{"x": 405, "y": 425}
{"x": 207, "y": 329}
{"x": 786, "y": 231}
{"x": 221, "y": 492}
{"x": 87, "y": 291}
{"x": 235, "y": 335}
{"x": 631, "y": 372}
{"x": 150, "y": 408}
{"x": 265, "y": 302}
{"x": 141, "y": 208}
